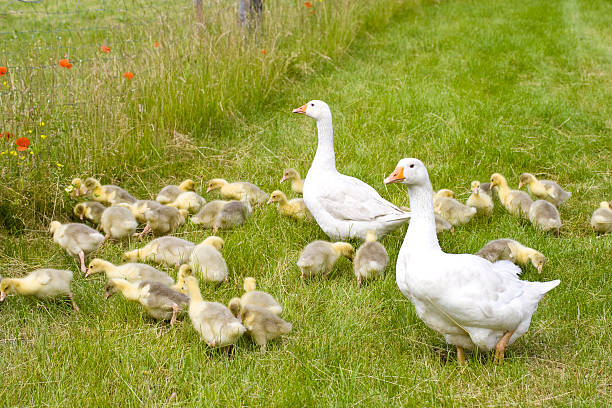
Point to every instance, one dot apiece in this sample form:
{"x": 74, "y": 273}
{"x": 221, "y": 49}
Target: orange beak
{"x": 301, "y": 109}
{"x": 396, "y": 176}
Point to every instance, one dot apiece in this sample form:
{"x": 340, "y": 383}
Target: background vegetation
{"x": 469, "y": 87}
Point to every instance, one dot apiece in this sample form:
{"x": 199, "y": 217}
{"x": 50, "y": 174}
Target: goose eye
{"x": 412, "y": 166}
{"x": 312, "y": 104}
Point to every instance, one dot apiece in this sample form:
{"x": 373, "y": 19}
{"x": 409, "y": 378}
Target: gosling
{"x": 118, "y": 222}
{"x": 132, "y": 272}
{"x": 159, "y": 301}
{"x": 544, "y": 189}
{"x": 319, "y": 257}
{"x": 238, "y": 191}
{"x": 545, "y": 216}
{"x": 41, "y": 283}
{"x": 480, "y": 200}
{"x": 295, "y": 208}
{"x": 513, "y": 251}
{"x": 601, "y": 220}
{"x": 207, "y": 261}
{"x": 259, "y": 298}
{"x": 233, "y": 214}
{"x": 515, "y": 201}
{"x": 260, "y": 324}
{"x": 171, "y": 251}
{"x": 297, "y": 184}
{"x": 108, "y": 194}
{"x": 90, "y": 210}
{"x": 370, "y": 260}
{"x": 189, "y": 201}
{"x": 453, "y": 211}
{"x": 208, "y": 214}
{"x": 163, "y": 220}
{"x": 77, "y": 239}
{"x": 169, "y": 193}
{"x": 215, "y": 323}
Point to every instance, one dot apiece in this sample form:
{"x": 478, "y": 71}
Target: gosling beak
{"x": 301, "y": 109}
{"x": 520, "y": 184}
{"x": 396, "y": 176}
{"x": 269, "y": 201}
{"x": 475, "y": 190}
{"x": 2, "y": 296}
{"x": 209, "y": 189}
{"x": 540, "y": 268}
{"x": 81, "y": 217}
{"x": 106, "y": 296}
{"x": 76, "y": 192}
{"x": 283, "y": 179}
{"x": 88, "y": 272}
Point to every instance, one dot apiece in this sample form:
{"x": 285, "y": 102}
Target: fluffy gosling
{"x": 132, "y": 272}
{"x": 515, "y": 201}
{"x": 259, "y": 298}
{"x": 206, "y": 260}
{"x": 215, "y": 323}
{"x": 90, "y": 210}
{"x": 319, "y": 257}
{"x": 511, "y": 250}
{"x": 118, "y": 222}
{"x": 238, "y": 191}
{"x": 189, "y": 201}
{"x": 163, "y": 220}
{"x": 260, "y": 324}
{"x": 297, "y": 184}
{"x": 169, "y": 193}
{"x": 208, "y": 213}
{"x": 41, "y": 283}
{"x": 294, "y": 208}
{"x": 480, "y": 200}
{"x": 601, "y": 220}
{"x": 159, "y": 301}
{"x": 544, "y": 189}
{"x": 370, "y": 260}
{"x": 108, "y": 194}
{"x": 545, "y": 216}
{"x": 233, "y": 214}
{"x": 77, "y": 239}
{"x": 171, "y": 251}
{"x": 453, "y": 211}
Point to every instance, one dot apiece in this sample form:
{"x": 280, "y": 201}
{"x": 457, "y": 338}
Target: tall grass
{"x": 204, "y": 76}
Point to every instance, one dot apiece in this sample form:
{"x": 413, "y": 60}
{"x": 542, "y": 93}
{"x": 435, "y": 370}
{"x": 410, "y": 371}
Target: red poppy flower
{"x": 264, "y": 52}
{"x": 105, "y": 48}
{"x": 128, "y": 75}
{"x": 3, "y": 71}
{"x": 22, "y": 143}
{"x": 65, "y": 63}
{"x": 7, "y": 136}
{"x": 308, "y": 4}
{"x": 156, "y": 44}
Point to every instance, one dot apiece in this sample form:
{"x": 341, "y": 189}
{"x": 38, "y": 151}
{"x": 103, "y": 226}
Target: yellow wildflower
{"x": 22, "y": 157}
{"x": 30, "y": 131}
{"x": 42, "y": 123}
{"x": 43, "y": 137}
{"x": 59, "y": 165}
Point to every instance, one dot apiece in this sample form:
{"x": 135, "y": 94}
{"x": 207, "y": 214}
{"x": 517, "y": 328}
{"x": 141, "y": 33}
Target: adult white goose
{"x": 467, "y": 299}
{"x": 343, "y": 206}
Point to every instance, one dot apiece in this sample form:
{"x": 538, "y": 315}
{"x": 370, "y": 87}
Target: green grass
{"x": 469, "y": 87}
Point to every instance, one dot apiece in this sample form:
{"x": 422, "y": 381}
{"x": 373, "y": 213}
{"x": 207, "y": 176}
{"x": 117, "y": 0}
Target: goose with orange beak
{"x": 343, "y": 206}
{"x": 468, "y": 299}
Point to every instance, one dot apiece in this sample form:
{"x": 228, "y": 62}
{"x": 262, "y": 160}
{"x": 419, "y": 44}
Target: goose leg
{"x": 359, "y": 281}
{"x": 74, "y": 305}
{"x": 144, "y": 232}
{"x": 501, "y": 347}
{"x": 82, "y": 259}
{"x": 106, "y": 237}
{"x": 460, "y": 355}
{"x": 175, "y": 310}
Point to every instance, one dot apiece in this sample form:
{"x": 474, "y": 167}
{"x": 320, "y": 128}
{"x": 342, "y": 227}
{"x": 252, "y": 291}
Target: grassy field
{"x": 469, "y": 87}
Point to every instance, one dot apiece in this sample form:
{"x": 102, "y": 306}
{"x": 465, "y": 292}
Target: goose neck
{"x": 325, "y": 157}
{"x": 421, "y": 233}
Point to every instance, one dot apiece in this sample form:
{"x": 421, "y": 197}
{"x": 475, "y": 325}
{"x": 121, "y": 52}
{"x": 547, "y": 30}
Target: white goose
{"x": 343, "y": 206}
{"x": 467, "y": 299}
